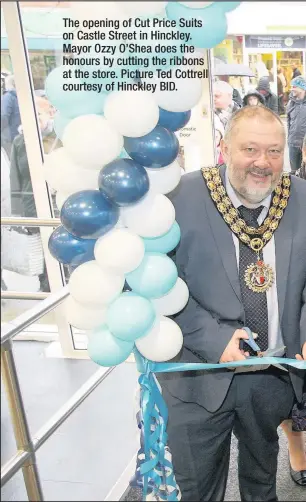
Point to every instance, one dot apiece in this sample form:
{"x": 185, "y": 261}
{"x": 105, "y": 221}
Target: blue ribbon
{"x": 154, "y": 470}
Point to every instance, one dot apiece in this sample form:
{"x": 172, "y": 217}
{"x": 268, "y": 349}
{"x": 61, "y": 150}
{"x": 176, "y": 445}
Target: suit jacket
{"x": 206, "y": 260}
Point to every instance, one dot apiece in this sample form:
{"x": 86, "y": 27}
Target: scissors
{"x": 276, "y": 352}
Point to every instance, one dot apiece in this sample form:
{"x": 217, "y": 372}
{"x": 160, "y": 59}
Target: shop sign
{"x": 275, "y": 42}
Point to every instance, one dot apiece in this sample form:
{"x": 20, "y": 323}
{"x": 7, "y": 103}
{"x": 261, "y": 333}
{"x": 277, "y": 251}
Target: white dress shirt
{"x": 275, "y": 336}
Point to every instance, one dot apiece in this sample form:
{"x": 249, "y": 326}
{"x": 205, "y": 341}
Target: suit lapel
{"x": 283, "y": 244}
{"x": 224, "y": 240}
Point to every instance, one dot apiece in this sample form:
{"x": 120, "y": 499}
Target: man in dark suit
{"x": 242, "y": 254}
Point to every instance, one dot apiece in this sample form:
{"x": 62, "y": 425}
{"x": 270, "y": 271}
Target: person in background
{"x": 22, "y": 199}
{"x": 253, "y": 98}
{"x": 224, "y": 105}
{"x": 264, "y": 89}
{"x": 219, "y": 134}
{"x": 281, "y": 86}
{"x": 10, "y": 115}
{"x": 270, "y": 72}
{"x": 296, "y": 72}
{"x": 236, "y": 94}
{"x": 296, "y": 118}
{"x": 295, "y": 428}
{"x": 301, "y": 173}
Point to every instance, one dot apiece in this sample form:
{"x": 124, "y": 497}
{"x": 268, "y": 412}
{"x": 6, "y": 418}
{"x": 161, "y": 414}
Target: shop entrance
{"x": 263, "y": 64}
{"x": 289, "y": 63}
{"x": 279, "y": 66}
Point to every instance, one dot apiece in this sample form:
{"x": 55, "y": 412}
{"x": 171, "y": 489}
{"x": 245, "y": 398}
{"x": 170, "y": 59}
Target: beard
{"x": 253, "y": 195}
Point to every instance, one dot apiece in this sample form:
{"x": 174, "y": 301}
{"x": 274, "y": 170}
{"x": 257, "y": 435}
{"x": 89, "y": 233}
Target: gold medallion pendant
{"x": 259, "y": 277}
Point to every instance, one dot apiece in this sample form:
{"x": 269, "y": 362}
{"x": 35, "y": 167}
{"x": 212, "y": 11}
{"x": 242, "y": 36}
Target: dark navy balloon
{"x": 89, "y": 214}
{"x": 69, "y": 250}
{"x": 157, "y": 149}
{"x": 173, "y": 120}
{"x": 124, "y": 181}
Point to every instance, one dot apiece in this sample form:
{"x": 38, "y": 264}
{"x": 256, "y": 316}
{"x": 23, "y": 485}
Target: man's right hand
{"x": 232, "y": 351}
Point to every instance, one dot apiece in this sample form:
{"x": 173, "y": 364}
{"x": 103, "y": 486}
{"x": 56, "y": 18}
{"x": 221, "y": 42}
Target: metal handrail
{"x": 21, "y": 295}
{"x": 12, "y": 328}
{"x": 40, "y": 437}
{"x": 25, "y": 457}
{"x": 13, "y": 221}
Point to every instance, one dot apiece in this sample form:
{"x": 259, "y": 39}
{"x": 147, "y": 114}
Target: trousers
{"x": 295, "y": 156}
{"x": 200, "y": 441}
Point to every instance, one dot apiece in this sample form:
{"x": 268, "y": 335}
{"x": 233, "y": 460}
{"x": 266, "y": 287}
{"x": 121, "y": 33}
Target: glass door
{"x": 263, "y": 64}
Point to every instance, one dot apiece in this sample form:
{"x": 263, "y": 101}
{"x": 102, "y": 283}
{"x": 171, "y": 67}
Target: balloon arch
{"x": 112, "y": 176}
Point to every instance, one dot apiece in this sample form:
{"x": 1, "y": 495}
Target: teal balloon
{"x": 124, "y": 154}
{"x": 130, "y": 317}
{"x": 154, "y": 277}
{"x": 214, "y": 24}
{"x": 106, "y": 350}
{"x": 60, "y": 122}
{"x": 72, "y": 103}
{"x": 165, "y": 243}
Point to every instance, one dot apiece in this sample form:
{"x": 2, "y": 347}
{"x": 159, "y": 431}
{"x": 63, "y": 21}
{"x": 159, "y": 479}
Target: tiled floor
{"x": 85, "y": 457}
{"x": 287, "y": 490}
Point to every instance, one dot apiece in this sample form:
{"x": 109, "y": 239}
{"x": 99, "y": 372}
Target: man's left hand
{"x": 303, "y": 356}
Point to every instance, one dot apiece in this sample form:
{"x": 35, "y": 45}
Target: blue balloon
{"x": 89, "y": 214}
{"x": 60, "y": 122}
{"x": 157, "y": 149}
{"x": 165, "y": 243}
{"x": 173, "y": 120}
{"x": 124, "y": 181}
{"x": 72, "y": 103}
{"x": 69, "y": 250}
{"x": 214, "y": 24}
{"x": 130, "y": 317}
{"x": 106, "y": 350}
{"x": 154, "y": 277}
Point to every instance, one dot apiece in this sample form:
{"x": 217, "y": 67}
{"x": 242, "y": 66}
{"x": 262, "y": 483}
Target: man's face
{"x": 217, "y": 137}
{"x": 254, "y": 157}
{"x": 263, "y": 92}
{"x": 253, "y": 101}
{"x": 222, "y": 100}
{"x": 297, "y": 92}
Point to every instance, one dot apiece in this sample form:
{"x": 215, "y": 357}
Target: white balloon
{"x": 163, "y": 342}
{"x": 174, "y": 301}
{"x": 65, "y": 175}
{"x": 92, "y": 141}
{"x": 92, "y": 285}
{"x": 142, "y": 8}
{"x": 153, "y": 216}
{"x": 166, "y": 179}
{"x": 60, "y": 199}
{"x": 84, "y": 316}
{"x": 197, "y": 5}
{"x": 132, "y": 113}
{"x": 119, "y": 250}
{"x": 187, "y": 94}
